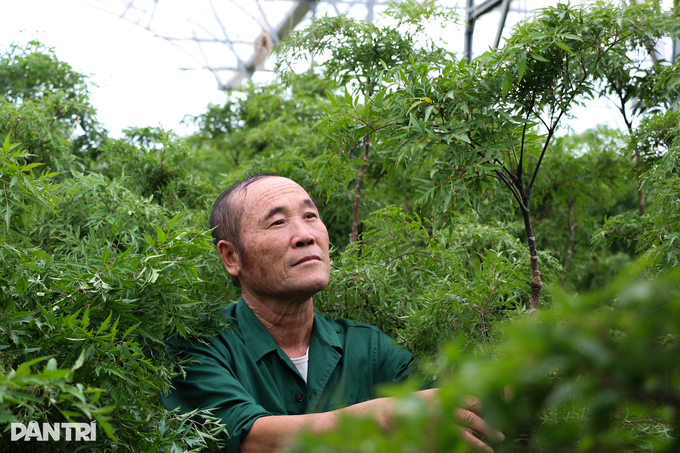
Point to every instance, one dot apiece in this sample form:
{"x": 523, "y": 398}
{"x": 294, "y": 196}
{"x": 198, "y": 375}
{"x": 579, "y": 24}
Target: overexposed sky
{"x": 140, "y": 80}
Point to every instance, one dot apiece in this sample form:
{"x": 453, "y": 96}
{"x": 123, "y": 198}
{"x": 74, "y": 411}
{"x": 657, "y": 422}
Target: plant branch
{"x": 354, "y": 235}
{"x": 406, "y": 254}
{"x": 504, "y": 168}
{"x": 520, "y": 164}
{"x": 512, "y": 188}
{"x": 540, "y": 159}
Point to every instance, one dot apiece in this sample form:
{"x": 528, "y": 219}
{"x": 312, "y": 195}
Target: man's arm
{"x": 268, "y": 434}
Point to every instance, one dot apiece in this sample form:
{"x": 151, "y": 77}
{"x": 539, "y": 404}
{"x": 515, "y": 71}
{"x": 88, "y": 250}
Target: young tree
{"x": 96, "y": 272}
{"x": 598, "y": 373}
{"x": 584, "y": 179}
{"x": 630, "y": 81}
{"x": 43, "y": 102}
{"x": 263, "y": 121}
{"x": 476, "y": 121}
{"x": 656, "y": 233}
{"x": 354, "y": 54}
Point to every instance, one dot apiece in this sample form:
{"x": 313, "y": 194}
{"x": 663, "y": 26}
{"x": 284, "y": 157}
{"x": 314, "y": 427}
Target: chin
{"x": 311, "y": 286}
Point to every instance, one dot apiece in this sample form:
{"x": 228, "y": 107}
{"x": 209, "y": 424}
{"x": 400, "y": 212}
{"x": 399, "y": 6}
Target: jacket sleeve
{"x": 210, "y": 383}
{"x": 393, "y": 362}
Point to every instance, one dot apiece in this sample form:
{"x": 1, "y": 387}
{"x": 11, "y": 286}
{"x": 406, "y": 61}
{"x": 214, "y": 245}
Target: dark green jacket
{"x": 243, "y": 374}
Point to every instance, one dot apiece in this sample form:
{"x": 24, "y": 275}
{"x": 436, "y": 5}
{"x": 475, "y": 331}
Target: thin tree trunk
{"x": 536, "y": 284}
{"x": 638, "y": 159}
{"x": 570, "y": 247}
{"x": 354, "y": 236}
{"x": 572, "y": 227}
{"x": 517, "y": 187}
{"x": 641, "y": 198}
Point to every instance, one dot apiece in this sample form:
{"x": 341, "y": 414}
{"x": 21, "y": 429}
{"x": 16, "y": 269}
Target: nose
{"x": 302, "y": 234}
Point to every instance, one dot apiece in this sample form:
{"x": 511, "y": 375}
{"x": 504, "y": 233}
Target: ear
{"x": 231, "y": 260}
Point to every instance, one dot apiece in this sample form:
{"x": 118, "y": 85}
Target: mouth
{"x": 307, "y": 259}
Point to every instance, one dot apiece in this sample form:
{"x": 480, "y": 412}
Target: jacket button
{"x": 299, "y": 397}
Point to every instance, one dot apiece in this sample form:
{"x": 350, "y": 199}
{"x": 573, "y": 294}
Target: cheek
{"x": 260, "y": 261}
{"x": 255, "y": 269}
{"x": 262, "y": 273}
{"x": 325, "y": 242}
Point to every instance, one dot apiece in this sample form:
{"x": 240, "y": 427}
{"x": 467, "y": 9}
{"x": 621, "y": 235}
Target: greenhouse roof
{"x": 234, "y": 38}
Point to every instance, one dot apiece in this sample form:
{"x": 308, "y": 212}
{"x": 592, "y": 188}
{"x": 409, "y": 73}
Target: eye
{"x": 311, "y": 215}
{"x": 277, "y": 222}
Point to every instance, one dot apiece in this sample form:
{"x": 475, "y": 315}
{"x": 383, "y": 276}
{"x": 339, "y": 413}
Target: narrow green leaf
{"x": 520, "y": 69}
{"x": 415, "y": 104}
{"x": 160, "y": 234}
{"x": 428, "y": 111}
{"x": 539, "y": 57}
{"x": 51, "y": 365}
{"x": 150, "y": 240}
{"x": 22, "y": 284}
{"x": 129, "y": 331}
{"x": 564, "y": 47}
{"x": 506, "y": 84}
{"x": 80, "y": 360}
{"x": 105, "y": 324}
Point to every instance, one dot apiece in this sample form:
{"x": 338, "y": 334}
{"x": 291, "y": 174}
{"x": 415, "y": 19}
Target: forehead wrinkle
{"x": 272, "y": 212}
{"x": 280, "y": 195}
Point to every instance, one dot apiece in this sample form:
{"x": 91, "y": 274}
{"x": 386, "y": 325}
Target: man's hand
{"x": 475, "y": 424}
{"x": 268, "y": 434}
{"x": 471, "y": 419}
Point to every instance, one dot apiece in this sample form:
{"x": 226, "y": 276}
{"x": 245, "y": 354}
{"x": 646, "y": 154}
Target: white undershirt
{"x": 301, "y": 364}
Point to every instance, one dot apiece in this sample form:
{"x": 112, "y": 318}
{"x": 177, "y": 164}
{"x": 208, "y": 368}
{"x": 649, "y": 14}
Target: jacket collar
{"x": 325, "y": 332}
{"x": 260, "y": 341}
{"x": 255, "y": 335}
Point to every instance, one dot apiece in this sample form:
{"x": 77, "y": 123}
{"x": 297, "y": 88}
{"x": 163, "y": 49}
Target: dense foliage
{"x": 451, "y": 196}
{"x": 597, "y": 373}
{"x": 98, "y": 268}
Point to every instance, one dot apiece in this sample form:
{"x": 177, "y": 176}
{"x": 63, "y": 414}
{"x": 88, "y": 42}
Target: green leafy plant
{"x": 43, "y": 103}
{"x": 354, "y": 54}
{"x": 474, "y": 122}
{"x": 596, "y": 373}
{"x": 103, "y": 261}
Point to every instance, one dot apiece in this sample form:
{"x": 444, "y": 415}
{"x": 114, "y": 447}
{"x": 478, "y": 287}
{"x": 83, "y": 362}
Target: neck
{"x": 289, "y": 322}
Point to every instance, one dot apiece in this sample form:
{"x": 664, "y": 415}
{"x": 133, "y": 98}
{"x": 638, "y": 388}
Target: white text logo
{"x": 81, "y": 431}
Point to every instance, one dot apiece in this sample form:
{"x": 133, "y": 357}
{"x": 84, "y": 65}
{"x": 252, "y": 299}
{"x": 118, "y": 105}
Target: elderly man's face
{"x": 284, "y": 242}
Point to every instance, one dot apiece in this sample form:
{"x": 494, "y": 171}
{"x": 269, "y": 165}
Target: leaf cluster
{"x": 597, "y": 373}
{"x": 656, "y": 233}
{"x": 45, "y": 105}
{"x": 425, "y": 285}
{"x": 98, "y": 269}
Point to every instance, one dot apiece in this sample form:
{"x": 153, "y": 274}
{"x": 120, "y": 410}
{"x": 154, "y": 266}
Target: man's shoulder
{"x": 344, "y": 325}
{"x": 229, "y": 314}
{"x": 176, "y": 343}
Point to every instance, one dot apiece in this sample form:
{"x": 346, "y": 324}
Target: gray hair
{"x": 226, "y": 214}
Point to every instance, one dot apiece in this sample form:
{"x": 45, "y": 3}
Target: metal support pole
{"x": 469, "y": 30}
{"x": 505, "y": 7}
{"x": 247, "y": 69}
{"x": 474, "y": 12}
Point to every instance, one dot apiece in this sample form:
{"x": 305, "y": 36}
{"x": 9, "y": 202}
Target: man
{"x": 282, "y": 367}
